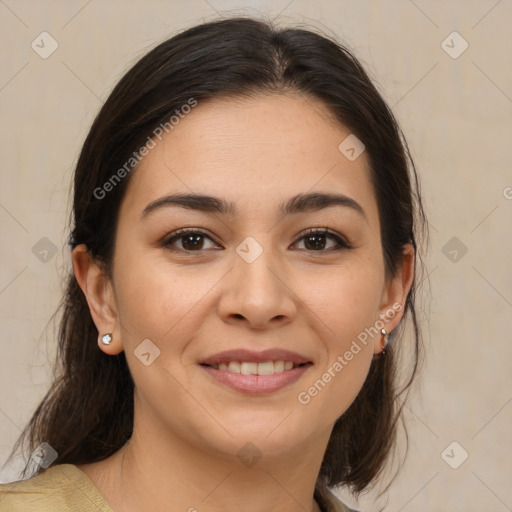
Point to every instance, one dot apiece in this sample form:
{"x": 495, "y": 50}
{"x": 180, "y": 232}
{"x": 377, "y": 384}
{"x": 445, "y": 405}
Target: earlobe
{"x": 97, "y": 288}
{"x": 394, "y": 298}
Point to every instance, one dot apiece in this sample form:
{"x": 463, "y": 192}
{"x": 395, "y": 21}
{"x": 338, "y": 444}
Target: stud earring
{"x": 106, "y": 339}
{"x": 384, "y": 340}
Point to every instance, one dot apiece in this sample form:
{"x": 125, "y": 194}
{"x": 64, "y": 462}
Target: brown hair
{"x": 87, "y": 415}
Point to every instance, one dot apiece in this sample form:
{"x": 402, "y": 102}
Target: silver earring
{"x": 106, "y": 339}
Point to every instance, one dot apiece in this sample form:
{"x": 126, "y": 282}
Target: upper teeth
{"x": 266, "y": 368}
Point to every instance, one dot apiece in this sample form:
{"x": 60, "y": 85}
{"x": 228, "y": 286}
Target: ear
{"x": 395, "y": 294}
{"x": 98, "y": 290}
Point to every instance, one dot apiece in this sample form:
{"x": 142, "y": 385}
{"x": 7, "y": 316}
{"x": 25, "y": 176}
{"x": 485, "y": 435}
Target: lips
{"x": 256, "y": 372}
{"x": 254, "y": 357}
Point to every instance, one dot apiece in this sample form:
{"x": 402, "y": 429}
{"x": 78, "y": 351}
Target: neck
{"x": 159, "y": 473}
{"x": 200, "y": 483}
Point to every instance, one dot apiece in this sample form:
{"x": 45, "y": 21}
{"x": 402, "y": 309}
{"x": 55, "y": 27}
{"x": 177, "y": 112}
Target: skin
{"x": 188, "y": 429}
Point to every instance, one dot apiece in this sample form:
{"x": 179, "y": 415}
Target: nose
{"x": 257, "y": 293}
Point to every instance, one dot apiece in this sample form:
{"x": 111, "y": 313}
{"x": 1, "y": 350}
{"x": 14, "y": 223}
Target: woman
{"x": 244, "y": 245}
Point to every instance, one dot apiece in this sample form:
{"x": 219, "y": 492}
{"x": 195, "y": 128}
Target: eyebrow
{"x": 299, "y": 203}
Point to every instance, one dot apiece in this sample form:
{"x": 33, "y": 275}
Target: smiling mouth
{"x": 253, "y": 368}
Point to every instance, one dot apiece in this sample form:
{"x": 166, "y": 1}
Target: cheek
{"x": 160, "y": 301}
{"x": 346, "y": 307}
{"x": 346, "y": 300}
{"x": 164, "y": 304}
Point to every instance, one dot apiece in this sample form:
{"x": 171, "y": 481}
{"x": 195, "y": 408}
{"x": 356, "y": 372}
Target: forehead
{"x": 255, "y": 152}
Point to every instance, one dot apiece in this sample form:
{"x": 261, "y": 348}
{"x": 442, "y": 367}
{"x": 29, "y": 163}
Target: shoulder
{"x": 329, "y": 502}
{"x": 60, "y": 488}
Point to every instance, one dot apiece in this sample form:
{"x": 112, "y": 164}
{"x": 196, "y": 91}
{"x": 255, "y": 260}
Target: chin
{"x": 274, "y": 435}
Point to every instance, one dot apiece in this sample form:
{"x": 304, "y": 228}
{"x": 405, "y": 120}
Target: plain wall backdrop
{"x": 452, "y": 94}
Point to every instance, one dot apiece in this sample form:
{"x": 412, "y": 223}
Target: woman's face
{"x": 248, "y": 284}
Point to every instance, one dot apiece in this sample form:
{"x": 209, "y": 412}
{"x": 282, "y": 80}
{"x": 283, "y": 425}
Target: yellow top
{"x": 65, "y": 488}
{"x": 60, "y": 488}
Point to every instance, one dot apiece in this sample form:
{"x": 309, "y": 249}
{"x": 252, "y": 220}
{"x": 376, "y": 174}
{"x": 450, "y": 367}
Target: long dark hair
{"x": 87, "y": 415}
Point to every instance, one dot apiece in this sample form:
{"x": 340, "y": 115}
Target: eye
{"x": 190, "y": 240}
{"x": 195, "y": 240}
{"x": 316, "y": 240}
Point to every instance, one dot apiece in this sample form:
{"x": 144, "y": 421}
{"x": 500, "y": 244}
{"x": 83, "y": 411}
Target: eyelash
{"x": 180, "y": 233}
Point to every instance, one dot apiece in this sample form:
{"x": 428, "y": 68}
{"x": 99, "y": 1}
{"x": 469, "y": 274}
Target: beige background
{"x": 456, "y": 114}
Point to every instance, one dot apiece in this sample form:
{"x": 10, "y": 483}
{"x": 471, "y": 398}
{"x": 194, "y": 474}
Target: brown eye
{"x": 194, "y": 240}
{"x": 190, "y": 240}
{"x": 317, "y": 240}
